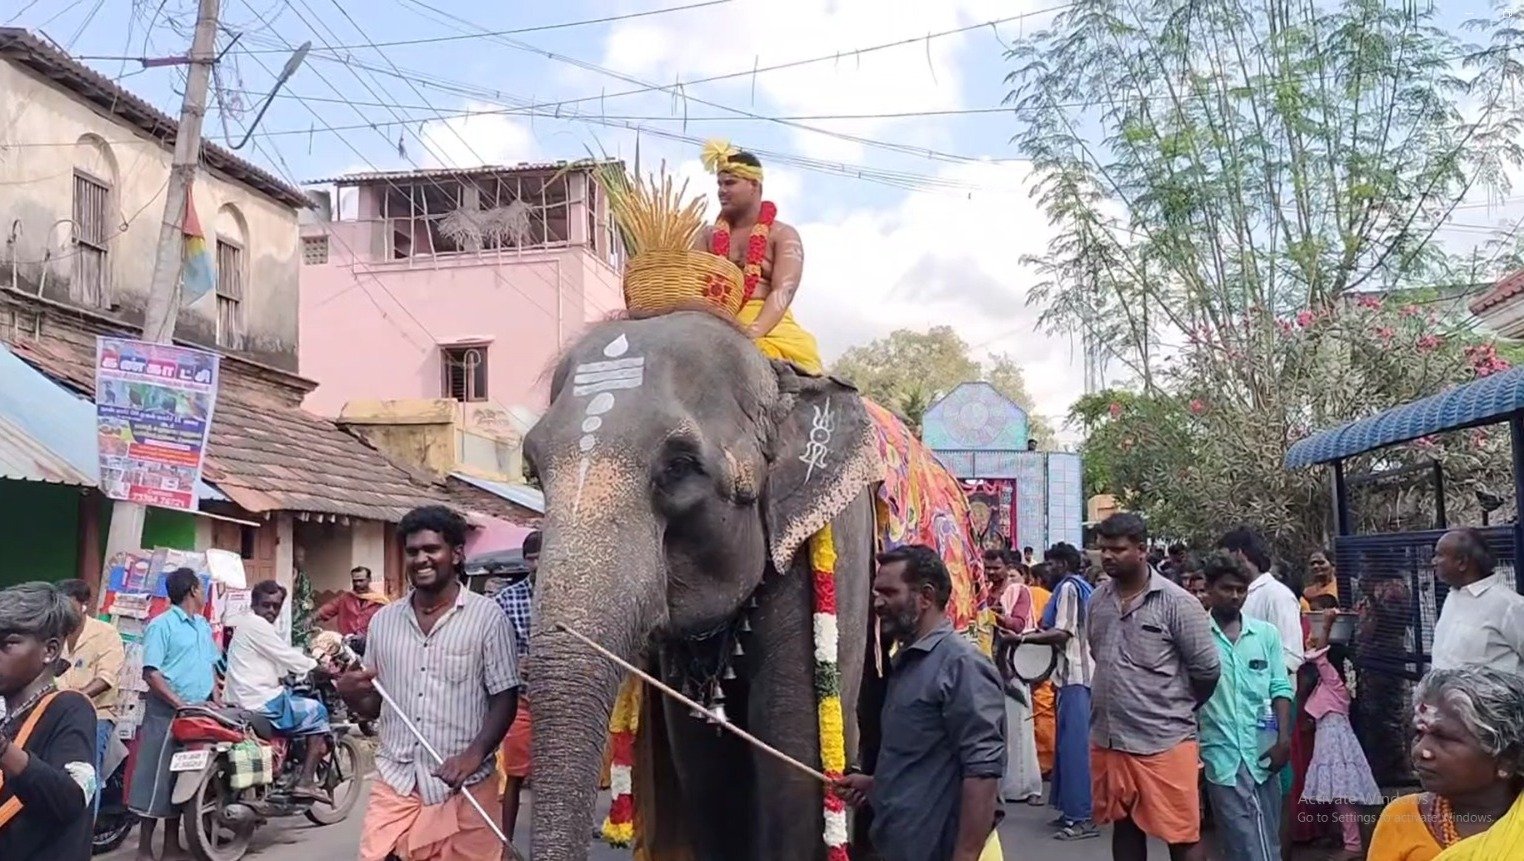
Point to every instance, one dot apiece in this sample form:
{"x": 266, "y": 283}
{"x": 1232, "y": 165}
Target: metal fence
{"x": 1389, "y": 579}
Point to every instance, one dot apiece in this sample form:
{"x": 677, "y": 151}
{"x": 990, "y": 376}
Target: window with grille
{"x": 465, "y": 373}
{"x": 92, "y": 271}
{"x": 314, "y": 250}
{"x": 230, "y": 281}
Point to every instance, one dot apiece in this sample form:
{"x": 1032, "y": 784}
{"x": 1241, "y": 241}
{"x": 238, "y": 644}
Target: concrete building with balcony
{"x": 84, "y": 164}
{"x": 443, "y": 297}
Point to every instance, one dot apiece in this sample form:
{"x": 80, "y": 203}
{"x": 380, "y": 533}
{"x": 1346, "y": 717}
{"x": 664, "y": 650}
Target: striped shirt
{"x": 443, "y": 680}
{"x": 1075, "y": 666}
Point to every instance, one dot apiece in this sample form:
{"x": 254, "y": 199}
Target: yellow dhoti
{"x": 787, "y": 341}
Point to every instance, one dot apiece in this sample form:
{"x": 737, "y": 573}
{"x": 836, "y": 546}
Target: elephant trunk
{"x": 602, "y": 575}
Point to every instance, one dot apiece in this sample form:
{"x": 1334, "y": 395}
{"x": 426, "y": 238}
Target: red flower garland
{"x": 756, "y": 245}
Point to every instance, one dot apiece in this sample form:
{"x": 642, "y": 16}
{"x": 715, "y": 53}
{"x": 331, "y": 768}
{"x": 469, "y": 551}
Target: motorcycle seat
{"x": 235, "y": 718}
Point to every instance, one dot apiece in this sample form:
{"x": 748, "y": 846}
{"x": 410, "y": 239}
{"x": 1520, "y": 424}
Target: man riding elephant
{"x": 771, "y": 258}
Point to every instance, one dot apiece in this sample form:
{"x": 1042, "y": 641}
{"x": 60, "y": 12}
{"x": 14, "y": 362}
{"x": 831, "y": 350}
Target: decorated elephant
{"x": 684, "y": 477}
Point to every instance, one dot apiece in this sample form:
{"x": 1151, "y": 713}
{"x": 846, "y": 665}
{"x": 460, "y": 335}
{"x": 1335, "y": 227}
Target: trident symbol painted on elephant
{"x": 818, "y": 446}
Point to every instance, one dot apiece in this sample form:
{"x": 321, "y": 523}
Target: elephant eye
{"x": 681, "y": 466}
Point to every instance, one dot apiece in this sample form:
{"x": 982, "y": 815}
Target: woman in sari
{"x": 1468, "y": 752}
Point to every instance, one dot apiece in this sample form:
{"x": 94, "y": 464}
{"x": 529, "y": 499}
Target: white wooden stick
{"x": 715, "y": 716}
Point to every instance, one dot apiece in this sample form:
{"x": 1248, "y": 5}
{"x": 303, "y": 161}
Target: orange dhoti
{"x": 1158, "y": 792}
{"x": 513, "y": 757}
{"x": 1044, "y": 725}
{"x": 404, "y": 826}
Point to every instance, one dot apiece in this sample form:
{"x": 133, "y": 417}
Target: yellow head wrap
{"x": 718, "y": 155}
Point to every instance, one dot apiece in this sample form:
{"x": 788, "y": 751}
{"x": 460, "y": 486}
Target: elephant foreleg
{"x": 782, "y": 713}
{"x": 713, "y": 774}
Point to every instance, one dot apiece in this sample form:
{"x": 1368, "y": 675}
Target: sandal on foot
{"x": 1077, "y": 831}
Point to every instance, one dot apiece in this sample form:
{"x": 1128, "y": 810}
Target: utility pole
{"x": 126, "y": 532}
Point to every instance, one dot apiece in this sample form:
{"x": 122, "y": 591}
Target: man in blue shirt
{"x": 1246, "y": 726}
{"x": 180, "y": 666}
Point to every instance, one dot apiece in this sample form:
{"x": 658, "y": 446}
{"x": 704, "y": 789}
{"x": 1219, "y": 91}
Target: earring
{"x": 1503, "y": 774}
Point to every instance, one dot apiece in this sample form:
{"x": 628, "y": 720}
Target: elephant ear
{"x": 822, "y": 454}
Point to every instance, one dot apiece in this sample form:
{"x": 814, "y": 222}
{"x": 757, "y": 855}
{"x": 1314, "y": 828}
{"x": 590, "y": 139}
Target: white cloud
{"x": 482, "y": 136}
{"x": 921, "y": 75}
{"x": 941, "y": 259}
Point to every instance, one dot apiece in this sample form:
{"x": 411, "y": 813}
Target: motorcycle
{"x": 220, "y": 819}
{"x": 114, "y": 821}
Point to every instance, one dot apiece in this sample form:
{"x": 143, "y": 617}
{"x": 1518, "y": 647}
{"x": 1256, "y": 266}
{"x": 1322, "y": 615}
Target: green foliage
{"x": 1235, "y": 186}
{"x": 908, "y": 371}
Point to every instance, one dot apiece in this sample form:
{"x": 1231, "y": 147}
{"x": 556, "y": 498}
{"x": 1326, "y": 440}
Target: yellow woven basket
{"x": 661, "y": 281}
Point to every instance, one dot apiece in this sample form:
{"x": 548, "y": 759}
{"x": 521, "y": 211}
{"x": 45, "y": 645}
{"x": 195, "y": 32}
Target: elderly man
{"x": 258, "y": 659}
{"x": 351, "y": 612}
{"x": 1483, "y": 617}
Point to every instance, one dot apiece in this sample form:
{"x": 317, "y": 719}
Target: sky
{"x": 908, "y": 221}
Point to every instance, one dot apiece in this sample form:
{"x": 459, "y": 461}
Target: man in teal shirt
{"x": 1246, "y": 726}
{"x": 180, "y": 666}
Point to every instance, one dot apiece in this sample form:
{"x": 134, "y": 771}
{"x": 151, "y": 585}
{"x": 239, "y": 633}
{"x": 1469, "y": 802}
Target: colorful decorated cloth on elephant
{"x": 920, "y": 502}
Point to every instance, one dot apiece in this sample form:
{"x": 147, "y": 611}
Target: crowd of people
{"x": 1186, "y": 688}
{"x": 1202, "y": 687}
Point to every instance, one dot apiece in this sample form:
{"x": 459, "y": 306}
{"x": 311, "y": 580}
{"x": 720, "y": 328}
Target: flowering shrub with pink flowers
{"x": 1205, "y": 450}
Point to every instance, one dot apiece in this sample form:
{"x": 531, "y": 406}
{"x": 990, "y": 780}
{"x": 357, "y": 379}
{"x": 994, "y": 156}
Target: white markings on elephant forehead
{"x": 594, "y": 377}
{"x": 818, "y": 445}
{"x": 600, "y": 404}
{"x": 601, "y": 379}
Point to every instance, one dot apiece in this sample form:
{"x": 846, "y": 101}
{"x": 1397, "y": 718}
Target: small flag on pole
{"x": 199, "y": 275}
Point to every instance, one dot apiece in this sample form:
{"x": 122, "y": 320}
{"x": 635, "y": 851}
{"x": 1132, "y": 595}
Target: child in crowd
{"x": 1339, "y": 773}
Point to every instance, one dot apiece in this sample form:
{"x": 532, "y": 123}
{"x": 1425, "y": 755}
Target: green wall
{"x": 39, "y": 528}
{"x": 173, "y": 529}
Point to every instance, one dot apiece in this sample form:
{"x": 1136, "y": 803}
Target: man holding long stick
{"x": 446, "y": 656}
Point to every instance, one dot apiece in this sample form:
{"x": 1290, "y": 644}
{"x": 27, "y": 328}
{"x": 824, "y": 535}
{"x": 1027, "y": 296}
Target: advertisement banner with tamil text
{"x": 153, "y": 410}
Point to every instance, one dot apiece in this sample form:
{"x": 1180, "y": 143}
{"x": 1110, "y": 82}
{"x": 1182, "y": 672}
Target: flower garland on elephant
{"x": 619, "y": 827}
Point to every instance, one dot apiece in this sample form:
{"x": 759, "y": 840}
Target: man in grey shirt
{"x": 935, "y": 792}
{"x": 1155, "y": 664}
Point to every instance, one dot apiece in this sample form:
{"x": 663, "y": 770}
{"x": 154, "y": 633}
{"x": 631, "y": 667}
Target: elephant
{"x": 683, "y": 473}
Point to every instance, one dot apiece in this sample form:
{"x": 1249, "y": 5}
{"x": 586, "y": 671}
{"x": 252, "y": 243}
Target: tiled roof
{"x": 23, "y": 47}
{"x": 268, "y": 456}
{"x": 1507, "y": 288}
{"x": 457, "y": 172}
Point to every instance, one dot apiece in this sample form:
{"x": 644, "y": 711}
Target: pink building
{"x": 434, "y": 305}
{"x": 455, "y": 283}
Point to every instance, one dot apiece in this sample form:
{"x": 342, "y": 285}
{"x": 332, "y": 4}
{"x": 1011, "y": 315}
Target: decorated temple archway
{"x": 1019, "y": 497}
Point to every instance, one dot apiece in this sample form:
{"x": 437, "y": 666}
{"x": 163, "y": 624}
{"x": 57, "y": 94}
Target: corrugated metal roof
{"x": 47, "y": 433}
{"x": 1490, "y": 399}
{"x": 518, "y": 494}
{"x": 437, "y": 172}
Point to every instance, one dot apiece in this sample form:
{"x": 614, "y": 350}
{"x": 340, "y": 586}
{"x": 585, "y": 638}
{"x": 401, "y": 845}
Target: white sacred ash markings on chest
{"x": 819, "y": 443}
{"x": 600, "y": 380}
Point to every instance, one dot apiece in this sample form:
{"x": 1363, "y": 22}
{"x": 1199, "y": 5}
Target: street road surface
{"x": 1023, "y": 835}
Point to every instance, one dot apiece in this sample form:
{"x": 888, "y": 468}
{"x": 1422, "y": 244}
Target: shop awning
{"x": 47, "y": 433}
